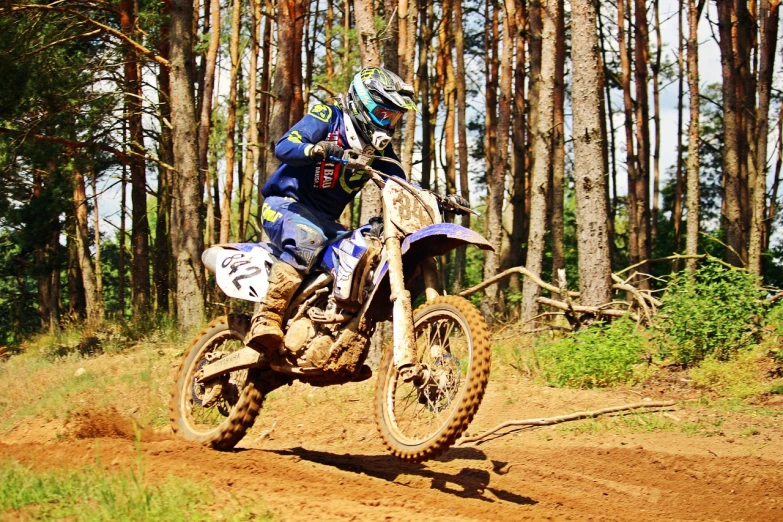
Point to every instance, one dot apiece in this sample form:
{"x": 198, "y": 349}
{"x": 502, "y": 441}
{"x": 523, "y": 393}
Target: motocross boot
{"x": 266, "y": 326}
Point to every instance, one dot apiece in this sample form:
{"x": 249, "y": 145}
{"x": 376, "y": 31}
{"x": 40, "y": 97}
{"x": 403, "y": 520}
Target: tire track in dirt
{"x": 465, "y": 484}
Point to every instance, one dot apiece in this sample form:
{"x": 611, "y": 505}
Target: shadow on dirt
{"x": 468, "y": 483}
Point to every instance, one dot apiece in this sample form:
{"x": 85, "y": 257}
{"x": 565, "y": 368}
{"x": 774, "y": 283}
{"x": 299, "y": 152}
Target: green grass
{"x": 599, "y": 356}
{"x": 631, "y": 423}
{"x": 92, "y": 493}
{"x": 137, "y": 380}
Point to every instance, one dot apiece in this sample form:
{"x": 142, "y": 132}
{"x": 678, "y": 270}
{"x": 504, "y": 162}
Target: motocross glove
{"x": 454, "y": 201}
{"x": 325, "y": 150}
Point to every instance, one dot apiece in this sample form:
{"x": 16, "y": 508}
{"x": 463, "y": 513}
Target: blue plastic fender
{"x": 434, "y": 240}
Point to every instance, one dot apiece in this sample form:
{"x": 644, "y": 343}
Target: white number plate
{"x": 244, "y": 275}
{"x": 406, "y": 211}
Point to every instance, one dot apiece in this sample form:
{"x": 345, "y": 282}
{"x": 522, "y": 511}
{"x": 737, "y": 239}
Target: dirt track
{"x": 324, "y": 462}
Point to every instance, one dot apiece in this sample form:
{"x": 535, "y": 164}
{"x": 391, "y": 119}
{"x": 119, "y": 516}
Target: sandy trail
{"x": 323, "y": 462}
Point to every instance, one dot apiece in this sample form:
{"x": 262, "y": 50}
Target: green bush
{"x": 713, "y": 312}
{"x": 602, "y": 355}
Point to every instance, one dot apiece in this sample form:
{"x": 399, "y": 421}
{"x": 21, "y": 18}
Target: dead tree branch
{"x": 548, "y": 421}
{"x": 516, "y": 270}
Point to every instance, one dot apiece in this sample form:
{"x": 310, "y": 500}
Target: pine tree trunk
{"x": 162, "y": 255}
{"x": 656, "y": 69}
{"x": 768, "y": 30}
{"x": 410, "y": 52}
{"x": 495, "y": 148}
{"x": 634, "y": 254}
{"x": 121, "y": 235}
{"x": 732, "y": 215}
{"x": 558, "y": 154}
{"x": 287, "y": 104}
{"x": 77, "y": 309}
{"x": 369, "y": 49}
{"x": 520, "y": 170}
{"x": 140, "y": 225}
{"x": 592, "y": 219}
{"x": 612, "y": 188}
{"x": 678, "y": 176}
{"x": 692, "y": 241}
{"x": 187, "y": 223}
{"x": 252, "y": 123}
{"x": 424, "y": 99}
{"x": 231, "y": 122}
{"x": 642, "y": 185}
{"x": 92, "y": 300}
{"x": 263, "y": 114}
{"x": 462, "y": 147}
{"x": 96, "y": 223}
{"x": 542, "y": 159}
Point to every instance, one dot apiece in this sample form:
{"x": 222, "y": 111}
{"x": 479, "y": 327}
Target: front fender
{"x": 431, "y": 241}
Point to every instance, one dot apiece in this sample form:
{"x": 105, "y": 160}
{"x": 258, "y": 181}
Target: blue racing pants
{"x": 299, "y": 231}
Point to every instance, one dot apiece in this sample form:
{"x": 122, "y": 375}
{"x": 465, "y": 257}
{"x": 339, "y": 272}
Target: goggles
{"x": 385, "y": 117}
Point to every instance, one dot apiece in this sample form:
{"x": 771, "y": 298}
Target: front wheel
{"x": 420, "y": 419}
{"x": 216, "y": 413}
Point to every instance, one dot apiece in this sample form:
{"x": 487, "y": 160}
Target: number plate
{"x": 244, "y": 275}
{"x": 406, "y": 211}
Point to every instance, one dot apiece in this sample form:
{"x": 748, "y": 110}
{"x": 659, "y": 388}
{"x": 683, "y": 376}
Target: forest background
{"x": 134, "y": 132}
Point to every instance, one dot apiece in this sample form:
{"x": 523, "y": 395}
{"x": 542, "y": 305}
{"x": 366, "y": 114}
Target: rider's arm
{"x": 296, "y": 145}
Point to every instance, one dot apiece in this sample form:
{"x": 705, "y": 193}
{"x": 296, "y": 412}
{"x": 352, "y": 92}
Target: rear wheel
{"x": 420, "y": 419}
{"x": 216, "y": 413}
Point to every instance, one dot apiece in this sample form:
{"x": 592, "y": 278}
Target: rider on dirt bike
{"x": 306, "y": 195}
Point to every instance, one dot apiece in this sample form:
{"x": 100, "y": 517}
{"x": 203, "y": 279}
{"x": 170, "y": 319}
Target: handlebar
{"x": 356, "y": 160}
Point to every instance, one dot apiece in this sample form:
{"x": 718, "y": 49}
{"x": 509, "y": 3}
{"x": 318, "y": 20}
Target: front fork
{"x": 402, "y": 314}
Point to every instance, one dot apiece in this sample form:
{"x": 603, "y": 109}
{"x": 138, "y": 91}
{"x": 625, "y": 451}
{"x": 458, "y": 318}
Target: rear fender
{"x": 431, "y": 241}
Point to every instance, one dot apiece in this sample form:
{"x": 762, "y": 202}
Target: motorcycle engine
{"x": 307, "y": 343}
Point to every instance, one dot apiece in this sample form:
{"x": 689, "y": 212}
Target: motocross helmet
{"x": 375, "y": 102}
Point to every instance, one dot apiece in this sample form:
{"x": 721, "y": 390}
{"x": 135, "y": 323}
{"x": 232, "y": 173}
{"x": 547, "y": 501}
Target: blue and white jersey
{"x": 322, "y": 185}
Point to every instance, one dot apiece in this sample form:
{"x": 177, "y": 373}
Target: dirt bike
{"x": 431, "y": 379}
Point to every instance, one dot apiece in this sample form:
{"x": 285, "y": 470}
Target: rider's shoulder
{"x": 324, "y": 112}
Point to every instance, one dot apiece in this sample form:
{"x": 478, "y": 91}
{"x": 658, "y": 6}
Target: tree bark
{"x": 162, "y": 255}
{"x": 642, "y": 185}
{"x": 369, "y": 49}
{"x": 231, "y": 122}
{"x": 263, "y": 114}
{"x": 498, "y": 158}
{"x": 77, "y": 308}
{"x": 187, "y": 221}
{"x": 768, "y": 30}
{"x": 287, "y": 106}
{"x": 462, "y": 138}
{"x": 205, "y": 116}
{"x": 246, "y": 190}
{"x": 692, "y": 241}
{"x": 656, "y": 70}
{"x": 92, "y": 300}
{"x": 520, "y": 184}
{"x": 592, "y": 214}
{"x": 410, "y": 53}
{"x": 558, "y": 153}
{"x": 732, "y": 197}
{"x": 678, "y": 176}
{"x": 634, "y": 254}
{"x": 541, "y": 153}
{"x": 140, "y": 230}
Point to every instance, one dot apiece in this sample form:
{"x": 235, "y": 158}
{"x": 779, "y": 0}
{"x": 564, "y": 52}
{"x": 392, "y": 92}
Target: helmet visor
{"x": 385, "y": 117}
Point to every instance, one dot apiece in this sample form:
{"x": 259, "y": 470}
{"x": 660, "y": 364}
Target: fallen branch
{"x": 264, "y": 434}
{"x": 516, "y": 270}
{"x": 548, "y": 421}
{"x": 596, "y": 310}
